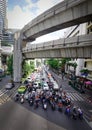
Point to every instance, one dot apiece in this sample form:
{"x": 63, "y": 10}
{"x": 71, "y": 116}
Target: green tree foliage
{"x": 10, "y": 65}
{"x": 72, "y": 64}
{"x": 32, "y": 65}
{"x": 5, "y": 43}
{"x": 54, "y": 63}
{"x": 27, "y": 68}
{"x": 63, "y": 62}
{"x": 58, "y": 63}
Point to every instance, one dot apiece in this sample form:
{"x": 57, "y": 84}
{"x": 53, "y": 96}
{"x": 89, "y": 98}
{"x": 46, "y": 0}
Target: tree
{"x": 53, "y": 63}
{"x": 32, "y": 66}
{"x": 27, "y": 68}
{"x": 63, "y": 63}
{"x": 10, "y": 65}
{"x": 58, "y": 63}
{"x": 5, "y": 43}
{"x": 74, "y": 64}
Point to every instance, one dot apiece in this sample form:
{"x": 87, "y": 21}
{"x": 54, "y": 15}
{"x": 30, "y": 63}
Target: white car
{"x": 9, "y": 86}
{"x": 36, "y": 85}
{"x": 45, "y": 86}
{"x": 29, "y": 79}
{"x": 55, "y": 86}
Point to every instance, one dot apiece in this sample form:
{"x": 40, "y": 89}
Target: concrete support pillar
{"x": 17, "y": 58}
{"x": 80, "y": 63}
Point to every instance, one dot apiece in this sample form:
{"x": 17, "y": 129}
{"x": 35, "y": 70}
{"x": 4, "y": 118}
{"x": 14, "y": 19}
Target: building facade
{"x": 1, "y": 26}
{"x": 77, "y": 30}
{"x": 3, "y": 12}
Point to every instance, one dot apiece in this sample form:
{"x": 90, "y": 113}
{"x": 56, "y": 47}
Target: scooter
{"x": 67, "y": 111}
{"x": 74, "y": 115}
{"x": 22, "y": 100}
{"x": 36, "y": 105}
{"x": 60, "y": 108}
{"x": 31, "y": 102}
{"x": 16, "y": 98}
{"x": 80, "y": 115}
{"x": 53, "y": 106}
{"x": 45, "y": 106}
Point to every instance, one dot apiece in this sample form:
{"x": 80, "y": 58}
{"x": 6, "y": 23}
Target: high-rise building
{"x": 3, "y": 11}
{"x": 1, "y": 26}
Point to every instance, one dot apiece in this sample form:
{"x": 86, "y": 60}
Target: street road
{"x": 4, "y": 81}
{"x": 16, "y": 116}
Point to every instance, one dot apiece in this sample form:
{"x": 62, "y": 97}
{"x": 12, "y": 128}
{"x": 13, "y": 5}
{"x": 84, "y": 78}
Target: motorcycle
{"x": 67, "y": 111}
{"x": 80, "y": 115}
{"x": 45, "y": 106}
{"x": 16, "y": 98}
{"x": 36, "y": 105}
{"x": 22, "y": 100}
{"x": 31, "y": 102}
{"x": 60, "y": 107}
{"x": 74, "y": 115}
{"x": 53, "y": 106}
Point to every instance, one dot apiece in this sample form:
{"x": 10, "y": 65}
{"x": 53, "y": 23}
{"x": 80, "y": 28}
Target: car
{"x": 45, "y": 86}
{"x": 29, "y": 79}
{"x": 9, "y": 86}
{"x": 36, "y": 85}
{"x": 22, "y": 89}
{"x": 55, "y": 86}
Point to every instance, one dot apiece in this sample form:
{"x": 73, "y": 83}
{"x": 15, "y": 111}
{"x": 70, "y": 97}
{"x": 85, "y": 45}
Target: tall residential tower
{"x": 3, "y": 12}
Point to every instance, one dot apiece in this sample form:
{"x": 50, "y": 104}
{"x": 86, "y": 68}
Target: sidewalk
{"x": 86, "y": 105}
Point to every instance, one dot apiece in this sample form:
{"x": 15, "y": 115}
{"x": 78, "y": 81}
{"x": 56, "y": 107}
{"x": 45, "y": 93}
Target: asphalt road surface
{"x": 4, "y": 81}
{"x": 16, "y": 116}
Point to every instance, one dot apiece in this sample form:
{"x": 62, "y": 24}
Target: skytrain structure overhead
{"x": 62, "y": 15}
{"x": 73, "y": 47}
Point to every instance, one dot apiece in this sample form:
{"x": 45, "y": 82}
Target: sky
{"x": 21, "y": 12}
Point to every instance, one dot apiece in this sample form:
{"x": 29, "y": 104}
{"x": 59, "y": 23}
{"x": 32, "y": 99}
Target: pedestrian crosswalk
{"x": 2, "y": 92}
{"x": 4, "y": 99}
{"x": 6, "y": 95}
{"x": 75, "y": 96}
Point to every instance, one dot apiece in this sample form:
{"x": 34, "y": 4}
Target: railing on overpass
{"x": 78, "y": 41}
{"x": 74, "y": 47}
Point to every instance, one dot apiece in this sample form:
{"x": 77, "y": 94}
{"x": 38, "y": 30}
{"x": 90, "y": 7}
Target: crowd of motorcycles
{"x": 56, "y": 100}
